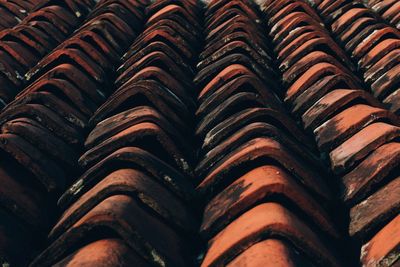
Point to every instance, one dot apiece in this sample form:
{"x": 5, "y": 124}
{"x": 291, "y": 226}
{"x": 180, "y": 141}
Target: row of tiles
{"x": 13, "y": 12}
{"x": 387, "y": 9}
{"x": 134, "y": 200}
{"x": 258, "y": 171}
{"x": 373, "y": 45}
{"x": 353, "y": 130}
{"x": 266, "y": 196}
{"x": 43, "y": 130}
{"x": 34, "y": 37}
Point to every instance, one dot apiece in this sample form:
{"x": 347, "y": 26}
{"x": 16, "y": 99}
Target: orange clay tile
{"x": 133, "y": 183}
{"x": 345, "y": 124}
{"x": 270, "y": 252}
{"x": 255, "y": 225}
{"x": 345, "y": 156}
{"x": 105, "y": 252}
{"x": 259, "y": 148}
{"x": 376, "y": 210}
{"x": 323, "y": 109}
{"x": 382, "y": 249}
{"x": 257, "y": 185}
{"x": 383, "y": 161}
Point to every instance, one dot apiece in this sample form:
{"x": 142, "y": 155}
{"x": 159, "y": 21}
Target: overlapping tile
{"x": 211, "y": 158}
{"x": 256, "y": 166}
{"x": 12, "y": 12}
{"x": 23, "y": 46}
{"x": 351, "y": 127}
{"x": 372, "y": 44}
{"x": 43, "y": 130}
{"x": 138, "y": 158}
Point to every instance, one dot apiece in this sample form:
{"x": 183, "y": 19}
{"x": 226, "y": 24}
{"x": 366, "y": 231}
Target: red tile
{"x": 255, "y": 225}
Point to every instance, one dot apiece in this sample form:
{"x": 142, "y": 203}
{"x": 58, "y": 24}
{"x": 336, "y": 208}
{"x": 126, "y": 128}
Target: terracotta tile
{"x": 382, "y": 249}
{"x": 252, "y": 150}
{"x": 119, "y": 214}
{"x": 157, "y": 58}
{"x": 270, "y": 252}
{"x": 248, "y": 7}
{"x": 63, "y": 109}
{"x": 101, "y": 43}
{"x": 166, "y": 79}
{"x": 355, "y": 28}
{"x": 20, "y": 53}
{"x": 342, "y": 9}
{"x": 376, "y": 40}
{"x": 128, "y": 11}
{"x": 56, "y": 35}
{"x": 380, "y": 6}
{"x": 230, "y": 48}
{"x": 320, "y": 88}
{"x": 244, "y": 83}
{"x": 72, "y": 74}
{"x": 387, "y": 83}
{"x": 132, "y": 157}
{"x": 259, "y": 185}
{"x": 146, "y": 135}
{"x": 296, "y": 32}
{"x": 313, "y": 58}
{"x": 237, "y": 32}
{"x": 122, "y": 121}
{"x": 383, "y": 65}
{"x": 362, "y": 35}
{"x": 154, "y": 94}
{"x": 324, "y": 43}
{"x": 76, "y": 57}
{"x": 345, "y": 156}
{"x": 179, "y": 25}
{"x": 348, "y": 122}
{"x": 105, "y": 252}
{"x": 255, "y": 225}
{"x": 311, "y": 76}
{"x": 58, "y": 16}
{"x": 67, "y": 90}
{"x": 347, "y": 18}
{"x": 324, "y": 108}
{"x": 243, "y": 36}
{"x": 205, "y": 75}
{"x": 45, "y": 170}
{"x": 225, "y": 15}
{"x": 227, "y": 74}
{"x": 374, "y": 211}
{"x": 43, "y": 139}
{"x": 296, "y": 6}
{"x": 173, "y": 10}
{"x": 135, "y": 184}
{"x": 247, "y": 133}
{"x": 108, "y": 31}
{"x": 157, "y": 46}
{"x": 249, "y": 115}
{"x": 39, "y": 46}
{"x": 190, "y": 6}
{"x": 180, "y": 45}
{"x": 215, "y": 115}
{"x": 290, "y": 23}
{"x": 370, "y": 172}
{"x": 47, "y": 118}
{"x": 239, "y": 22}
{"x": 392, "y": 102}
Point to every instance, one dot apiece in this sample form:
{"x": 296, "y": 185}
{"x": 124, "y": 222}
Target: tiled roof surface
{"x": 184, "y": 133}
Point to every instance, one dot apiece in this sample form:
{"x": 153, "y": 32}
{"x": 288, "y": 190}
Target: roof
{"x": 190, "y": 133}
